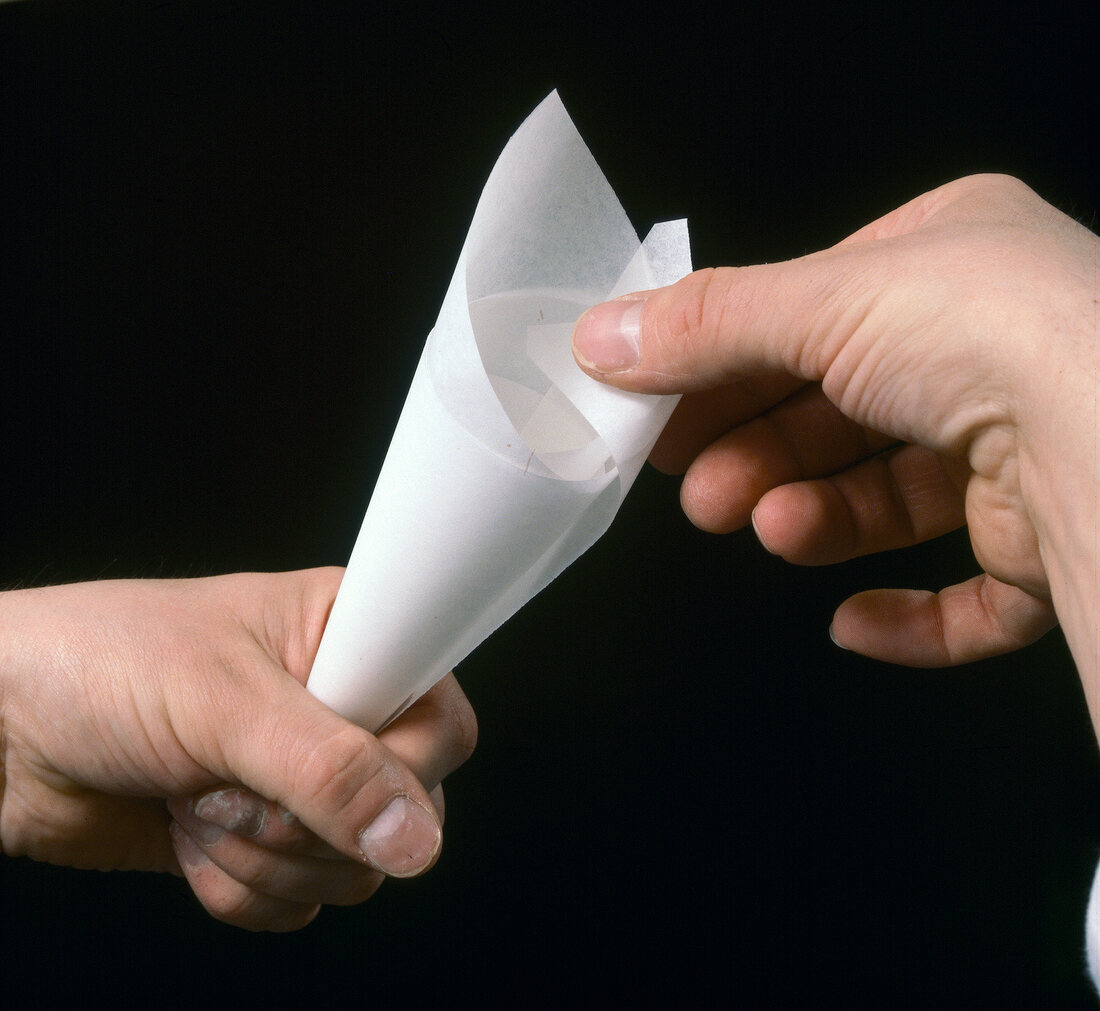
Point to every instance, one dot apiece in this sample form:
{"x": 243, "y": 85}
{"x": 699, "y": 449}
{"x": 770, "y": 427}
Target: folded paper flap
{"x": 664, "y": 258}
{"x": 461, "y": 381}
{"x": 527, "y": 285}
{"x": 547, "y": 218}
{"x": 545, "y": 421}
{"x": 626, "y": 423}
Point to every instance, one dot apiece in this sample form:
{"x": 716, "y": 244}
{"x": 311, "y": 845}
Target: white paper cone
{"x": 507, "y": 462}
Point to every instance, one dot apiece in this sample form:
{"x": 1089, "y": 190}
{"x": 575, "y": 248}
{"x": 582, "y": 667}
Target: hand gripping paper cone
{"x": 507, "y": 462}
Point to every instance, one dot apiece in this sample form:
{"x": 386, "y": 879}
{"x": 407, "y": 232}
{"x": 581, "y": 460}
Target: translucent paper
{"x": 507, "y": 462}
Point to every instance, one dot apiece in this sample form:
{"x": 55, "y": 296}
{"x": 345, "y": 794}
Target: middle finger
{"x": 804, "y": 437}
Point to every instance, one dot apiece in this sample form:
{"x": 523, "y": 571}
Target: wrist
{"x": 5, "y": 667}
{"x": 1061, "y": 486}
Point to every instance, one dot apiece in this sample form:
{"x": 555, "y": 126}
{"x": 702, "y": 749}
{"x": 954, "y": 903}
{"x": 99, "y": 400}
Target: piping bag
{"x": 507, "y": 461}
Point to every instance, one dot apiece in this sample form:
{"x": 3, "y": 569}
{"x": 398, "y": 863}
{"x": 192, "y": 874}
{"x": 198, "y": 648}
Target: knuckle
{"x": 997, "y": 194}
{"x": 338, "y": 770}
{"x": 693, "y": 312}
{"x": 690, "y": 322}
{"x": 246, "y": 909}
{"x": 724, "y": 302}
{"x": 1000, "y": 182}
{"x": 256, "y": 871}
{"x": 231, "y": 903}
{"x": 685, "y": 314}
{"x": 990, "y": 612}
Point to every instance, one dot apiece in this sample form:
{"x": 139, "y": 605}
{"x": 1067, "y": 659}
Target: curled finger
{"x": 436, "y": 734}
{"x": 894, "y": 500}
{"x": 706, "y": 415}
{"x": 292, "y": 877}
{"x": 805, "y": 437}
{"x": 229, "y": 900}
{"x": 243, "y": 813}
{"x": 980, "y": 618}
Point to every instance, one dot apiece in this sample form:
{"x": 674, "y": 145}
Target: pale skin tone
{"x": 142, "y": 722}
{"x": 939, "y": 367}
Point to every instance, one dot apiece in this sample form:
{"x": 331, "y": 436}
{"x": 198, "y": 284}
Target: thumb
{"x": 799, "y": 316}
{"x": 723, "y": 322}
{"x": 339, "y": 780}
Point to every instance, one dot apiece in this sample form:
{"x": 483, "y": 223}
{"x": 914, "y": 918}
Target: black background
{"x": 226, "y": 229}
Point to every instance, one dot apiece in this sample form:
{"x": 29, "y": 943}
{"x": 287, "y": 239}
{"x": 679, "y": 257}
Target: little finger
{"x": 228, "y": 900}
{"x": 291, "y": 877}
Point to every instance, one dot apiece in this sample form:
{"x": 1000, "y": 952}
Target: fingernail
{"x": 188, "y": 852}
{"x": 759, "y": 536}
{"x": 287, "y": 817}
{"x": 402, "y": 840}
{"x": 607, "y": 338}
{"x": 837, "y": 642}
{"x": 235, "y": 810}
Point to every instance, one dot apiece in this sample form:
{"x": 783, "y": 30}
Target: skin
{"x": 164, "y": 726}
{"x": 937, "y": 368}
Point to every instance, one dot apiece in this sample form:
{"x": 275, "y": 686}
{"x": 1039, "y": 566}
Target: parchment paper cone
{"x": 507, "y": 462}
